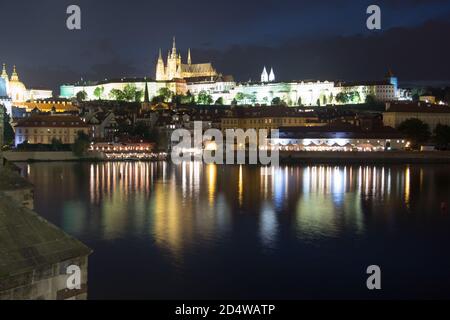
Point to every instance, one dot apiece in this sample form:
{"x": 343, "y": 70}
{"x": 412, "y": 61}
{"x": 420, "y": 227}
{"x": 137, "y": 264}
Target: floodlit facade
{"x": 341, "y": 138}
{"x": 396, "y": 113}
{"x": 17, "y": 91}
{"x": 173, "y": 68}
{"x": 43, "y": 129}
{"x": 202, "y": 79}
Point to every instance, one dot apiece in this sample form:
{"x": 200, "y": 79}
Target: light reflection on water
{"x": 183, "y": 214}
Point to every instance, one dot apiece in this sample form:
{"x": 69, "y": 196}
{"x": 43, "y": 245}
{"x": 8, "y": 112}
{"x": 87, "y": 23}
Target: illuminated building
{"x": 266, "y": 77}
{"x": 48, "y": 105}
{"x": 175, "y": 69}
{"x": 202, "y": 79}
{"x": 430, "y": 114}
{"x": 16, "y": 90}
{"x": 270, "y": 118}
{"x": 39, "y": 129}
{"x": 339, "y": 137}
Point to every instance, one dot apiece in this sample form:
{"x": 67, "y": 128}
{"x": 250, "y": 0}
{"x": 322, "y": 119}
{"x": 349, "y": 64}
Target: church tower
{"x": 173, "y": 62}
{"x": 189, "y": 60}
{"x": 264, "y": 76}
{"x": 6, "y": 78}
{"x": 160, "y": 68}
{"x": 271, "y": 75}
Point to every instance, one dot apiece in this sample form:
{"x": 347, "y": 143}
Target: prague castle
{"x": 202, "y": 79}
{"x": 175, "y": 69}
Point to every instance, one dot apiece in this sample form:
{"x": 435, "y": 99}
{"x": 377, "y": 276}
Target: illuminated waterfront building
{"x": 339, "y": 137}
{"x": 430, "y": 114}
{"x": 40, "y": 129}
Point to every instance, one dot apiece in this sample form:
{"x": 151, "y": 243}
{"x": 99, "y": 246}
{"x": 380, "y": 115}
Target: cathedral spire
{"x": 264, "y": 75}
{"x": 174, "y": 47}
{"x": 189, "y": 61}
{"x": 271, "y": 75}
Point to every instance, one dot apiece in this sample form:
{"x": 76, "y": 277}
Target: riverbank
{"x": 45, "y": 156}
{"x": 294, "y": 157}
{"x": 35, "y": 253}
{"x": 389, "y": 157}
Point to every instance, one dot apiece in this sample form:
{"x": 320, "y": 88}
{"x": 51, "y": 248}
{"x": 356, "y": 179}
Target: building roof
{"x": 340, "y": 130}
{"x": 416, "y": 108}
{"x": 56, "y": 121}
{"x": 198, "y": 68}
{"x": 365, "y": 83}
{"x": 270, "y": 111}
{"x": 29, "y": 242}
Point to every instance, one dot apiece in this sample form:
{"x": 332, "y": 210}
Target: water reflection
{"x": 183, "y": 207}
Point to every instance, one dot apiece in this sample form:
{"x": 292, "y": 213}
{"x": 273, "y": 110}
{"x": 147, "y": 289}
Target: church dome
{"x": 17, "y": 89}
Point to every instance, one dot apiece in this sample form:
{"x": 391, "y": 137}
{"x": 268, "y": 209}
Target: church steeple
{"x": 189, "y": 61}
{"x": 160, "y": 68}
{"x": 264, "y": 75}
{"x": 14, "y": 75}
{"x": 4, "y": 73}
{"x": 271, "y": 75}
{"x": 174, "y": 48}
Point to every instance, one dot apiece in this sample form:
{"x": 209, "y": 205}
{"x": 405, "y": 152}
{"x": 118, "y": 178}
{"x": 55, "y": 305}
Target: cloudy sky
{"x": 301, "y": 39}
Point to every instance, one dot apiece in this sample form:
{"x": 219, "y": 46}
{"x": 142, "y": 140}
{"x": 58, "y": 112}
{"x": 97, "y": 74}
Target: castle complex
{"x": 202, "y": 79}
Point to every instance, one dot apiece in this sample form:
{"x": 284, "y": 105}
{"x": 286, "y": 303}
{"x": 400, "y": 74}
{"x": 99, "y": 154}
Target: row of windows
{"x": 48, "y": 131}
{"x": 265, "y": 121}
{"x": 45, "y": 139}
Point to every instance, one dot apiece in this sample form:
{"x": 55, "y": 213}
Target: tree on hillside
{"x": 204, "y": 98}
{"x": 370, "y": 99}
{"x": 130, "y": 92}
{"x": 98, "y": 92}
{"x": 166, "y": 94}
{"x": 416, "y": 130}
{"x": 8, "y": 132}
{"x": 276, "y": 101}
{"x": 81, "y": 96}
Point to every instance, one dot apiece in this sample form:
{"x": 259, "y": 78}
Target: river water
{"x": 196, "y": 231}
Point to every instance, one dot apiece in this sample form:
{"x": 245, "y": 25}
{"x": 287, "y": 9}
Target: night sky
{"x": 312, "y": 39}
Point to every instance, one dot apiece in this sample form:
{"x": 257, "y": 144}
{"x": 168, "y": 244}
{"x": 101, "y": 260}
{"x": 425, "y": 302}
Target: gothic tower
{"x": 271, "y": 75}
{"x": 160, "y": 68}
{"x": 264, "y": 76}
{"x": 189, "y": 60}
